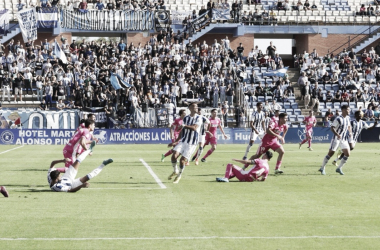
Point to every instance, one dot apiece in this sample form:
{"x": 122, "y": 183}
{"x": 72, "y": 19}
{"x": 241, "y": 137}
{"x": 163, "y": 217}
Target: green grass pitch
{"x": 125, "y": 208}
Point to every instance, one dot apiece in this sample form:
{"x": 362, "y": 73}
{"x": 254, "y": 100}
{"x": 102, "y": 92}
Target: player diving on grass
{"x": 357, "y": 125}
{"x": 175, "y": 130}
{"x": 257, "y": 127}
{"x": 187, "y": 142}
{"x": 68, "y": 181}
{"x": 202, "y": 136}
{"x": 309, "y": 122}
{"x": 259, "y": 171}
{"x": 270, "y": 140}
{"x": 211, "y": 135}
{"x": 340, "y": 127}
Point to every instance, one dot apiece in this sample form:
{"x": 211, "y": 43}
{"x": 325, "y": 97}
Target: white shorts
{"x": 185, "y": 149}
{"x": 61, "y": 97}
{"x": 202, "y": 139}
{"x": 254, "y": 136}
{"x": 69, "y": 177}
{"x": 18, "y": 91}
{"x": 335, "y": 143}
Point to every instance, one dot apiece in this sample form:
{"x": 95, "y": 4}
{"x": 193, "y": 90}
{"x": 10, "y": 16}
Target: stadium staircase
{"x": 13, "y": 31}
{"x": 208, "y": 28}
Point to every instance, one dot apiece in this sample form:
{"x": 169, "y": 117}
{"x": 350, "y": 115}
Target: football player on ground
{"x": 257, "y": 127}
{"x": 68, "y": 183}
{"x": 259, "y": 171}
{"x": 175, "y": 130}
{"x": 310, "y": 122}
{"x": 339, "y": 127}
{"x": 270, "y": 140}
{"x": 211, "y": 135}
{"x": 357, "y": 126}
{"x": 187, "y": 143}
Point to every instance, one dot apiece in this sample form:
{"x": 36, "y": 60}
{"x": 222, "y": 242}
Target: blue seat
{"x": 300, "y": 118}
{"x": 297, "y": 112}
{"x": 287, "y": 105}
{"x": 289, "y": 111}
{"x": 294, "y": 105}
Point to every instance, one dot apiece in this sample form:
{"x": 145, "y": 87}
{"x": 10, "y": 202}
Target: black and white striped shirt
{"x": 357, "y": 127}
{"x": 205, "y": 121}
{"x": 257, "y": 119}
{"x": 190, "y": 136}
{"x": 341, "y": 125}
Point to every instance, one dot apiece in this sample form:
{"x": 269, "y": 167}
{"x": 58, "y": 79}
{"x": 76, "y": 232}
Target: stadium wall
{"x": 142, "y": 136}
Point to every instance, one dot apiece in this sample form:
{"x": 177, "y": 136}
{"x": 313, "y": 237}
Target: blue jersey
{"x": 341, "y": 125}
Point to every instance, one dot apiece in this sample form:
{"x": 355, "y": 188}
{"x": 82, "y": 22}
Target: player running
{"x": 339, "y": 127}
{"x": 202, "y": 136}
{"x": 310, "y": 122}
{"x": 175, "y": 130}
{"x": 357, "y": 126}
{"x": 211, "y": 135}
{"x": 257, "y": 127}
{"x": 80, "y": 140}
{"x": 187, "y": 143}
{"x": 270, "y": 140}
{"x": 68, "y": 183}
{"x": 259, "y": 171}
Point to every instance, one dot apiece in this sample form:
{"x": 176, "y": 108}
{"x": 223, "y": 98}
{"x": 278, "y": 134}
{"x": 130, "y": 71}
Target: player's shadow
{"x": 30, "y": 169}
{"x": 24, "y": 186}
{"x": 205, "y": 175}
{"x": 33, "y": 191}
{"x": 125, "y": 183}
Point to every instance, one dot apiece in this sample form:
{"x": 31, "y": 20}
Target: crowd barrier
{"x": 144, "y": 136}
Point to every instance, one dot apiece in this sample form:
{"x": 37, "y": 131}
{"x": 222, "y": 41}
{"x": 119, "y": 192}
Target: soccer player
{"x": 68, "y": 183}
{"x": 270, "y": 140}
{"x": 80, "y": 139}
{"x": 202, "y": 136}
{"x": 175, "y": 130}
{"x": 259, "y": 171}
{"x": 187, "y": 143}
{"x": 276, "y": 115}
{"x": 4, "y": 191}
{"x": 310, "y": 122}
{"x": 257, "y": 127}
{"x": 339, "y": 127}
{"x": 211, "y": 136}
{"x": 357, "y": 126}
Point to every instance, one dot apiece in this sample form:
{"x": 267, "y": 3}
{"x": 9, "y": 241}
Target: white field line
{"x": 159, "y": 182}
{"x": 6, "y": 151}
{"x": 200, "y": 238}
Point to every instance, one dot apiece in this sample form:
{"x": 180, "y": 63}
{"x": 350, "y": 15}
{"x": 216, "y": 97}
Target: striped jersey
{"x": 257, "y": 119}
{"x": 267, "y": 122}
{"x": 205, "y": 122}
{"x": 341, "y": 125}
{"x": 63, "y": 185}
{"x": 357, "y": 127}
{"x": 191, "y": 136}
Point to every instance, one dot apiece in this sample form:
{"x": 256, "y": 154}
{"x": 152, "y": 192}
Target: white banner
{"x": 4, "y": 19}
{"x": 28, "y": 23}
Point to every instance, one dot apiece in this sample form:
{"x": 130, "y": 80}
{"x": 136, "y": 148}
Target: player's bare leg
{"x": 175, "y": 155}
{"x": 182, "y": 164}
{"x": 281, "y": 153}
{"x": 96, "y": 171}
{"x": 247, "y": 149}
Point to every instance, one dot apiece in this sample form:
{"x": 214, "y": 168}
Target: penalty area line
{"x": 159, "y": 182}
{"x": 199, "y": 238}
{"x": 6, "y": 151}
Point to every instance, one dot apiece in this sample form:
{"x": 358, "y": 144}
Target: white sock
{"x": 325, "y": 161}
{"x": 83, "y": 155}
{"x": 181, "y": 169}
{"x": 343, "y": 161}
{"x": 247, "y": 150}
{"x": 199, "y": 153}
{"x": 175, "y": 169}
{"x": 95, "y": 172}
